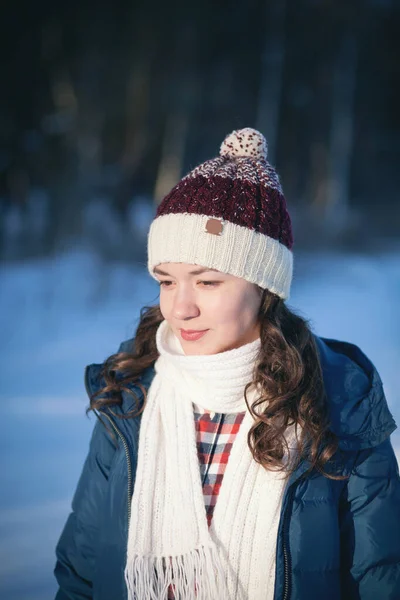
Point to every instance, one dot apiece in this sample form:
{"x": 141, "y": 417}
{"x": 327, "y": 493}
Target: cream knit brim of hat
{"x": 237, "y": 250}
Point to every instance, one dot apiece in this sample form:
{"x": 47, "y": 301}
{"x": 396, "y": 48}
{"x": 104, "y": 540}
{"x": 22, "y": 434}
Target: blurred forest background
{"x": 105, "y": 106}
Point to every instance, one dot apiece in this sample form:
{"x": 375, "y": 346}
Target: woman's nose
{"x": 185, "y": 306}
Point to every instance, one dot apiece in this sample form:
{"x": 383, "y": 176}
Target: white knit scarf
{"x": 169, "y": 541}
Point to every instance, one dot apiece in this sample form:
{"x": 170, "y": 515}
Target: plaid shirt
{"x": 215, "y": 434}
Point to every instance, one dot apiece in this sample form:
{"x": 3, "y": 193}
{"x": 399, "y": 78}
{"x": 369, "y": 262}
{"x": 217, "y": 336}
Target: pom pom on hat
{"x": 243, "y": 143}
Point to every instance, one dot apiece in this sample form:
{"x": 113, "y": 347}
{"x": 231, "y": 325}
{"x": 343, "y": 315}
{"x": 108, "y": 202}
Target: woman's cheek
{"x": 224, "y": 308}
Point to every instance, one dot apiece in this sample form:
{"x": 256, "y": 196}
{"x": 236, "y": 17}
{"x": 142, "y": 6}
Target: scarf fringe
{"x": 197, "y": 575}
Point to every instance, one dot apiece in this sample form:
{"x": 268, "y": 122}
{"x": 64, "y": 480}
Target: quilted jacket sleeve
{"x": 76, "y": 548}
{"x": 370, "y": 530}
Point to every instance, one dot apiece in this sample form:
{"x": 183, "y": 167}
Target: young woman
{"x": 237, "y": 456}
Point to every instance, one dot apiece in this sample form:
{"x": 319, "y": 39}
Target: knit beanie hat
{"x": 228, "y": 214}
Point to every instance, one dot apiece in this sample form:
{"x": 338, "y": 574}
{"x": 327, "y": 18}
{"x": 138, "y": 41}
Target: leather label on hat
{"x": 214, "y": 226}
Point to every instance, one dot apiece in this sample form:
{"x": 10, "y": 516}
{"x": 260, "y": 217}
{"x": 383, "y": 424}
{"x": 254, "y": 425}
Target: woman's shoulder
{"x": 358, "y": 408}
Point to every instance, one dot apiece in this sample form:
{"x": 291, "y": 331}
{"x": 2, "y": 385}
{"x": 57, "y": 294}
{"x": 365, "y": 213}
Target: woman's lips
{"x": 192, "y": 336}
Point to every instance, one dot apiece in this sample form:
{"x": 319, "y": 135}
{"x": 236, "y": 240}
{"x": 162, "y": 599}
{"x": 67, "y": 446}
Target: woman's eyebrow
{"x": 158, "y": 271}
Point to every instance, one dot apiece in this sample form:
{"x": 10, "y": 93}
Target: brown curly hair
{"x": 288, "y": 373}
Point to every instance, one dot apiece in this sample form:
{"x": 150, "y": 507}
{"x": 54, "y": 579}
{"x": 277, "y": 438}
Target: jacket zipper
{"x": 286, "y": 554}
{"x": 128, "y": 460}
{"x": 285, "y": 573}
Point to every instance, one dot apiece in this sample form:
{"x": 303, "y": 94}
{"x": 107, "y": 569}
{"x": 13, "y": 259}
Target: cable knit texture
{"x": 169, "y": 540}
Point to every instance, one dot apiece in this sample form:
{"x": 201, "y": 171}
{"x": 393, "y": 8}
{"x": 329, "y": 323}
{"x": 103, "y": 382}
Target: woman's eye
{"x": 205, "y": 283}
{"x": 209, "y": 283}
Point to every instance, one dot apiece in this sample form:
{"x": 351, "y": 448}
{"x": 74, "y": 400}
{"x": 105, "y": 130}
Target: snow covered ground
{"x": 57, "y": 315}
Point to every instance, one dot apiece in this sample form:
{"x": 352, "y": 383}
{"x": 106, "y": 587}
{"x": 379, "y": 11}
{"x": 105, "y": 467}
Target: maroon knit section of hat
{"x": 238, "y": 201}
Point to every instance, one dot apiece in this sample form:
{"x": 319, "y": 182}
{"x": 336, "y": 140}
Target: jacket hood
{"x": 359, "y": 414}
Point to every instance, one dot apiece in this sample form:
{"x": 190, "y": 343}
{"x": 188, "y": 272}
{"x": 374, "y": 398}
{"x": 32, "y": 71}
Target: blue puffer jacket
{"x": 336, "y": 539}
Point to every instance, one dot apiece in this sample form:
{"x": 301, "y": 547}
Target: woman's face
{"x": 197, "y": 299}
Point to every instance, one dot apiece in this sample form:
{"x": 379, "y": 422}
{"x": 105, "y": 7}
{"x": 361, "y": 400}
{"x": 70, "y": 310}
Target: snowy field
{"x": 58, "y": 315}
